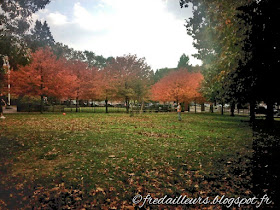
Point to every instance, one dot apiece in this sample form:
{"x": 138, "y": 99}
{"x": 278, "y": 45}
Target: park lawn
{"x": 88, "y": 160}
{"x": 96, "y": 109}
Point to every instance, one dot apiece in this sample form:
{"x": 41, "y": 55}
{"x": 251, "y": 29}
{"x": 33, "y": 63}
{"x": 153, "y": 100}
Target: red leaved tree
{"x": 87, "y": 80}
{"x": 107, "y": 81}
{"x": 179, "y": 86}
{"x": 44, "y": 76}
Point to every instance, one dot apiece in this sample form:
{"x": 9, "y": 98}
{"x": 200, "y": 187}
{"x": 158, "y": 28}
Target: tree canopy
{"x": 183, "y": 62}
{"x": 179, "y": 86}
{"x": 15, "y": 22}
{"x": 235, "y": 41}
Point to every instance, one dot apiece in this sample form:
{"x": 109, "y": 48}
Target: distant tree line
{"x": 47, "y": 69}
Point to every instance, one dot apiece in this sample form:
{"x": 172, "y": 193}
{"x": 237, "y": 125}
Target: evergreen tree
{"x": 184, "y": 62}
{"x": 41, "y": 36}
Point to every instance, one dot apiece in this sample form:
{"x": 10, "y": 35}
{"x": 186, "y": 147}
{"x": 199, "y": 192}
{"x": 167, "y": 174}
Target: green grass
{"x": 96, "y": 109}
{"x": 109, "y": 158}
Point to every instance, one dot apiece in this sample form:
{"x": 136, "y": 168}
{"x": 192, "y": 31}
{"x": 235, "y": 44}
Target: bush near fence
{"x": 28, "y": 107}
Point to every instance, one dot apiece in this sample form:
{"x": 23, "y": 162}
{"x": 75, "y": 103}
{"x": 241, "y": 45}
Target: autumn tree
{"x": 179, "y": 86}
{"x": 107, "y": 84}
{"x": 130, "y": 77}
{"x": 86, "y": 84}
{"x": 44, "y": 76}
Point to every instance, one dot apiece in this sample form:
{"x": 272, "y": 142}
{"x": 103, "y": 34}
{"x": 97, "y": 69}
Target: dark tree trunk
{"x": 269, "y": 113}
{"x": 77, "y": 101}
{"x": 211, "y": 108}
{"x": 252, "y": 111}
{"x": 222, "y": 111}
{"x": 232, "y": 107}
{"x": 42, "y": 104}
{"x": 127, "y": 104}
{"x": 42, "y": 87}
{"x": 142, "y": 107}
{"x": 194, "y": 107}
{"x": 106, "y": 105}
{"x": 202, "y": 107}
{"x": 131, "y": 110}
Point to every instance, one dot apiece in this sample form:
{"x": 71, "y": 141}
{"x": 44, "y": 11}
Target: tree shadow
{"x": 266, "y": 156}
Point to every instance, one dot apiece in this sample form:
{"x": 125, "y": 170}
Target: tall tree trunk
{"x": 127, "y": 104}
{"x": 42, "y": 104}
{"x": 269, "y": 113}
{"x": 222, "y": 111}
{"x": 232, "y": 107}
{"x": 142, "y": 107}
{"x": 106, "y": 105}
{"x": 42, "y": 87}
{"x": 202, "y": 107}
{"x": 131, "y": 111}
{"x": 211, "y": 108}
{"x": 77, "y": 101}
{"x": 195, "y": 107}
{"x": 252, "y": 110}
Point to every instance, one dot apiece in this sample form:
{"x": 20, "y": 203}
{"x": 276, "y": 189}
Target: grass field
{"x": 104, "y": 160}
{"x": 97, "y": 109}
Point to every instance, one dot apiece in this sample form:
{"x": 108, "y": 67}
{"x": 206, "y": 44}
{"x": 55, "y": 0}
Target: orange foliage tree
{"x": 107, "y": 88}
{"x": 44, "y": 76}
{"x": 179, "y": 86}
{"x": 128, "y": 78}
{"x": 87, "y": 80}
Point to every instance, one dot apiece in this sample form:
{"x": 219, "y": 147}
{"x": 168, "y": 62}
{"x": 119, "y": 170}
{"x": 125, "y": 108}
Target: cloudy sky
{"x": 153, "y": 29}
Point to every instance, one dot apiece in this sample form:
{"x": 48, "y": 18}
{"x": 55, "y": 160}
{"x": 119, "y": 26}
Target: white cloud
{"x": 57, "y": 18}
{"x": 115, "y": 28}
{"x": 88, "y": 21}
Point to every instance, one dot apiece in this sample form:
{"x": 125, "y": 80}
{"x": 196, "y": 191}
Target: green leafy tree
{"x": 130, "y": 77}
{"x": 184, "y": 62}
{"x": 14, "y": 24}
{"x": 14, "y": 19}
{"x": 40, "y": 36}
{"x": 219, "y": 36}
{"x": 160, "y": 73}
{"x": 94, "y": 60}
{"x": 63, "y": 50}
{"x": 89, "y": 57}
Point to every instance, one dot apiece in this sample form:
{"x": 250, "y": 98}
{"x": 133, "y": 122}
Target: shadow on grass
{"x": 11, "y": 193}
{"x": 266, "y": 156}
